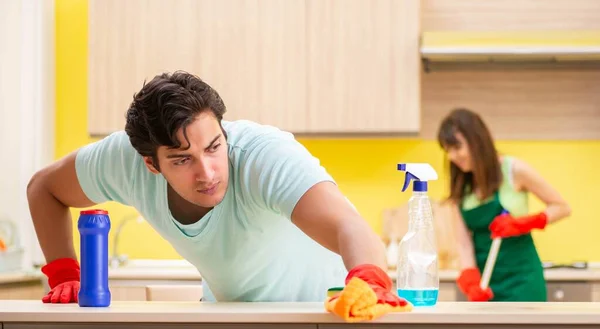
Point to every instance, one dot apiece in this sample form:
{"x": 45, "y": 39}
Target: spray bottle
{"x": 417, "y": 270}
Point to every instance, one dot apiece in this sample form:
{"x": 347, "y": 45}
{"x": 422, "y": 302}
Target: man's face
{"x": 200, "y": 173}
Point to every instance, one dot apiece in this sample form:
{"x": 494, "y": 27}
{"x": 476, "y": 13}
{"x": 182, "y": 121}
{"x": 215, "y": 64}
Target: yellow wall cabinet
{"x": 306, "y": 66}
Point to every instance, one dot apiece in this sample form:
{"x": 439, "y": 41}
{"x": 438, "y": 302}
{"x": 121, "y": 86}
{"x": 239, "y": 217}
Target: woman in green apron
{"x": 482, "y": 185}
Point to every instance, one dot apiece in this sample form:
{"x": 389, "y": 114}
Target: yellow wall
{"x": 365, "y": 169}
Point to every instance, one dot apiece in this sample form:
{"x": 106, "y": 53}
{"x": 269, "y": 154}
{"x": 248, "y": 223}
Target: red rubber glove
{"x": 379, "y": 281}
{"x": 504, "y": 226}
{"x": 468, "y": 283}
{"x": 63, "y": 278}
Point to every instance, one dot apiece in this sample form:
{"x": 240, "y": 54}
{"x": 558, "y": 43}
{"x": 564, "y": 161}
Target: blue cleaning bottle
{"x": 94, "y": 226}
{"x": 417, "y": 270}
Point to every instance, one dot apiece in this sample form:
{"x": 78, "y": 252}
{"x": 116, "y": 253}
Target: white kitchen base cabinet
{"x": 447, "y": 292}
{"x": 135, "y": 290}
{"x": 128, "y": 293}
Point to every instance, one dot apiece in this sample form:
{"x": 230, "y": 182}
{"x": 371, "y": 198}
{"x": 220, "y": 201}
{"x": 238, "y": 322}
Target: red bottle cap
{"x": 94, "y": 212}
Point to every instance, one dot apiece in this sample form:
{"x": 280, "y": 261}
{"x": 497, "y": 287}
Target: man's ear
{"x": 150, "y": 165}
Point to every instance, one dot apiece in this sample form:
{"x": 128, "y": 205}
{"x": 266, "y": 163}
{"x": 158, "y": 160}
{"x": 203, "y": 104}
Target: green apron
{"x": 518, "y": 274}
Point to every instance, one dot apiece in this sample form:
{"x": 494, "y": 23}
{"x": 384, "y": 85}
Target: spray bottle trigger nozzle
{"x": 407, "y": 180}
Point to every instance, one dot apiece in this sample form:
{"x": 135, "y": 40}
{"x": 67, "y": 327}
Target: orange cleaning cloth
{"x": 358, "y": 302}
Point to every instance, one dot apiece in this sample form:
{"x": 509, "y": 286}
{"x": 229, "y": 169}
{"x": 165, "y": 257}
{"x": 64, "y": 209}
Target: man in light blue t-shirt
{"x": 246, "y": 204}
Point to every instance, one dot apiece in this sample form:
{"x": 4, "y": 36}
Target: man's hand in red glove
{"x": 379, "y": 281}
{"x": 468, "y": 282}
{"x": 63, "y": 278}
{"x": 505, "y": 225}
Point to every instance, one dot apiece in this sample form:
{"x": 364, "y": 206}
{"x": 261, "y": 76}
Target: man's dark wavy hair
{"x": 169, "y": 102}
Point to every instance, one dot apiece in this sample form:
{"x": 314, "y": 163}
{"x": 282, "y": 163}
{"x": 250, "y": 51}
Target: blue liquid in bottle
{"x": 420, "y": 297}
{"x": 94, "y": 226}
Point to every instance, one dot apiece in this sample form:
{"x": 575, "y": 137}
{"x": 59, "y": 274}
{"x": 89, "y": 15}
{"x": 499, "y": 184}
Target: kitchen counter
{"x": 16, "y": 314}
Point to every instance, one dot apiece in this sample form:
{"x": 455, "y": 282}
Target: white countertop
{"x": 196, "y": 312}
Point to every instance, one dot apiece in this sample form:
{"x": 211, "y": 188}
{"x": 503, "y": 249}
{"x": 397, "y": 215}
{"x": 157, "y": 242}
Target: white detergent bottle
{"x": 417, "y": 270}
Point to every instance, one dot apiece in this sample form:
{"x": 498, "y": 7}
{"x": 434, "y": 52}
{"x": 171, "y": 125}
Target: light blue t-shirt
{"x": 246, "y": 248}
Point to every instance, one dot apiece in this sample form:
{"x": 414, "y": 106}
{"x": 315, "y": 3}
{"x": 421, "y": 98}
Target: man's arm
{"x": 324, "y": 214}
{"x": 51, "y": 192}
{"x": 98, "y": 172}
{"x": 281, "y": 175}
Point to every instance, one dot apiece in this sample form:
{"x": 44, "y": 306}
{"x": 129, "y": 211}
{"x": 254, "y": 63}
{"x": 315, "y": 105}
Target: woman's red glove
{"x": 468, "y": 282}
{"x": 379, "y": 281}
{"x": 63, "y": 278}
{"x": 505, "y": 225}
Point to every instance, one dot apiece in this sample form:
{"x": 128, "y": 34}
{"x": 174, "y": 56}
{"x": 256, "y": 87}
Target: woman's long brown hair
{"x": 486, "y": 175}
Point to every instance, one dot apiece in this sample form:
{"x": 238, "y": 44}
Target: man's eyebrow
{"x": 178, "y": 155}
{"x": 184, "y": 155}
{"x": 213, "y": 141}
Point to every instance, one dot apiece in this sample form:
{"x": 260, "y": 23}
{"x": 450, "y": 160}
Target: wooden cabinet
{"x": 596, "y": 292}
{"x": 306, "y": 66}
{"x": 569, "y": 291}
{"x": 251, "y": 52}
{"x": 510, "y": 15}
{"x": 448, "y": 292}
{"x": 22, "y": 290}
{"x": 527, "y": 102}
{"x": 521, "y": 105}
{"x": 136, "y": 289}
{"x": 127, "y": 293}
{"x": 363, "y": 66}
{"x": 564, "y": 291}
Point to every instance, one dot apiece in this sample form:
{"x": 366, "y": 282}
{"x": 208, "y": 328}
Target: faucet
{"x": 117, "y": 260}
